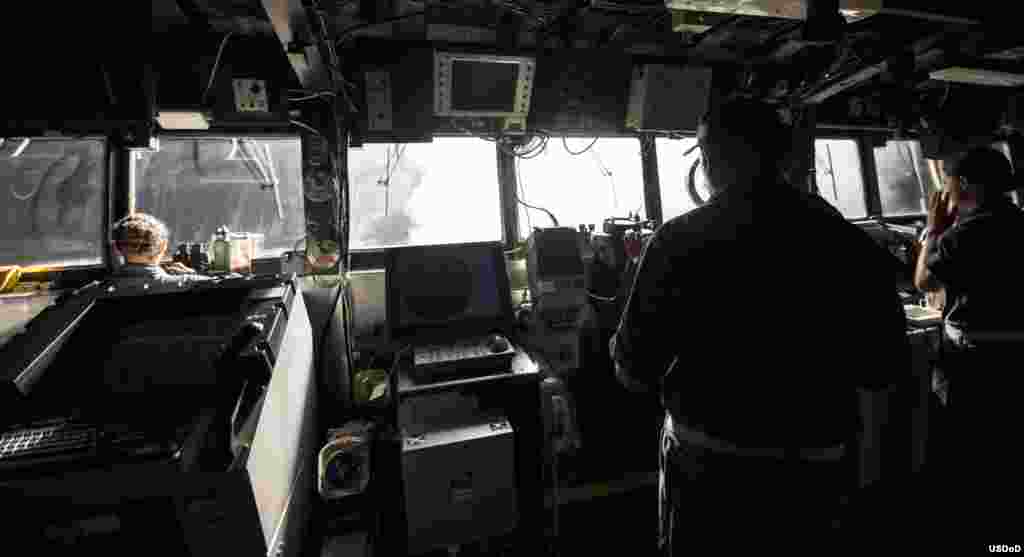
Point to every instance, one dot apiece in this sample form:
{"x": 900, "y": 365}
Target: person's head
{"x": 743, "y": 142}
{"x": 141, "y": 238}
{"x": 979, "y": 174}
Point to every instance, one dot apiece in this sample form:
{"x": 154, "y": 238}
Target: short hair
{"x": 984, "y": 167}
{"x": 754, "y": 123}
{"x": 139, "y": 234}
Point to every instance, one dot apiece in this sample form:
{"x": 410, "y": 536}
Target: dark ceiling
{"x": 823, "y": 59}
{"x": 909, "y": 37}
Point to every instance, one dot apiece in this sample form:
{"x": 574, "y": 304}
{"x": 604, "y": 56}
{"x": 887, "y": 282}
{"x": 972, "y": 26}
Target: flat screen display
{"x": 447, "y": 285}
{"x": 483, "y": 86}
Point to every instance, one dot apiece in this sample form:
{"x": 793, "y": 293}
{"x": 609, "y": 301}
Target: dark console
{"x": 143, "y": 418}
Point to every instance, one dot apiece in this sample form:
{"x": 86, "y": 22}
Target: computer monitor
{"x": 448, "y": 290}
{"x": 478, "y": 85}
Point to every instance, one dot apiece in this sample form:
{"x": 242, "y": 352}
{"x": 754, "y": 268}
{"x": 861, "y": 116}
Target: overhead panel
{"x": 581, "y": 91}
{"x": 667, "y": 98}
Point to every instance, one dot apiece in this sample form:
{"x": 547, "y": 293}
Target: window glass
{"x": 54, "y": 198}
{"x": 837, "y": 172}
{"x": 904, "y": 178}
{"x": 673, "y": 171}
{"x": 601, "y": 182}
{"x": 443, "y": 192}
{"x": 196, "y": 185}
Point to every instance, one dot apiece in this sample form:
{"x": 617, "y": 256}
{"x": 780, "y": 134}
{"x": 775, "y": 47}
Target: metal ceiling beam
{"x": 928, "y": 56}
{"x": 294, "y": 30}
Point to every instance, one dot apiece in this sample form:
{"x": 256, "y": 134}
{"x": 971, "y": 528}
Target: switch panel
{"x": 378, "y": 101}
{"x": 251, "y": 95}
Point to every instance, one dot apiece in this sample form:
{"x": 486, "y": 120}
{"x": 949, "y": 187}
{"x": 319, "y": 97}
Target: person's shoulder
{"x": 693, "y": 221}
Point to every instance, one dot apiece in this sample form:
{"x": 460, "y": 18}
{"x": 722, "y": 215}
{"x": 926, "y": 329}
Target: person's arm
{"x": 941, "y": 213}
{"x": 924, "y": 280}
{"x": 642, "y": 348}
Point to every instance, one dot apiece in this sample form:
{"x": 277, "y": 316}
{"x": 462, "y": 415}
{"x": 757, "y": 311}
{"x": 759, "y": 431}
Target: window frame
{"x": 62, "y": 272}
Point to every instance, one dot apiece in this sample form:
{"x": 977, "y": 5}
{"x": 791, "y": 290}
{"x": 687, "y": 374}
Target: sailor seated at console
{"x": 142, "y": 240}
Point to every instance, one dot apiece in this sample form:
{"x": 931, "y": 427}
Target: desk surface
{"x": 524, "y": 368}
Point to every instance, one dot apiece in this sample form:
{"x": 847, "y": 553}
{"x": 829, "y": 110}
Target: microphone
{"x": 238, "y": 343}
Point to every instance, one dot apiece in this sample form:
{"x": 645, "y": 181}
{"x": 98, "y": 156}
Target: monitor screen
{"x": 485, "y": 86}
{"x": 447, "y": 286}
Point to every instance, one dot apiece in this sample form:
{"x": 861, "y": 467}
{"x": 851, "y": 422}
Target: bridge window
{"x": 424, "y": 193}
{"x": 673, "y": 172}
{"x": 837, "y": 171}
{"x": 602, "y": 181}
{"x": 54, "y": 201}
{"x": 196, "y": 185}
{"x": 904, "y": 178}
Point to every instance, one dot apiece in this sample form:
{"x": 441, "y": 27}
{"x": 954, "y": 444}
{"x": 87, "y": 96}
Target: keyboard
{"x": 55, "y": 440}
{"x": 61, "y": 441}
{"x": 462, "y": 358}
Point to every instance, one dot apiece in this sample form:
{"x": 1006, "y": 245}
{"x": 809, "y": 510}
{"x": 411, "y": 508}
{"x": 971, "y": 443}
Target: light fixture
{"x": 976, "y": 76}
{"x": 851, "y": 10}
{"x": 182, "y": 120}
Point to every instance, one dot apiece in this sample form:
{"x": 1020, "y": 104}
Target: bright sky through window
{"x": 605, "y": 181}
{"x": 424, "y": 193}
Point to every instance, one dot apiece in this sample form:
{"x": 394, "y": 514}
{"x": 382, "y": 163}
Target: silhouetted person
{"x": 974, "y": 232}
{"x": 142, "y": 239}
{"x": 757, "y": 317}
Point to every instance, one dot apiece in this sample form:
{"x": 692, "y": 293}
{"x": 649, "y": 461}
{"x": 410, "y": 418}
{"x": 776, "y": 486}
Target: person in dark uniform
{"x": 142, "y": 239}
{"x": 757, "y": 317}
{"x": 973, "y": 231}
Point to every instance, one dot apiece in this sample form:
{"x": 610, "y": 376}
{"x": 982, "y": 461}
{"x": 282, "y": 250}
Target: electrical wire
{"x": 522, "y": 194}
{"x": 306, "y": 126}
{"x": 313, "y": 96}
{"x": 565, "y": 144}
{"x": 216, "y": 65}
{"x": 524, "y": 204}
{"x": 606, "y": 172}
{"x": 602, "y": 298}
{"x": 349, "y": 30}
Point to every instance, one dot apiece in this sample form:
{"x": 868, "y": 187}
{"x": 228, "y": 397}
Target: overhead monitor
{"x": 482, "y": 85}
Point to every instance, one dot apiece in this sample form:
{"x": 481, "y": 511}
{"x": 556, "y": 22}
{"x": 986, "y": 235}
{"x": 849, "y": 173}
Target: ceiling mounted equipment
{"x": 182, "y": 120}
{"x": 852, "y": 10}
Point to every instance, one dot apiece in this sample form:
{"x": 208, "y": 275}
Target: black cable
{"x": 524, "y": 204}
{"x": 691, "y": 185}
{"x": 522, "y": 192}
{"x": 216, "y": 66}
{"x": 571, "y": 152}
{"x": 343, "y": 35}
